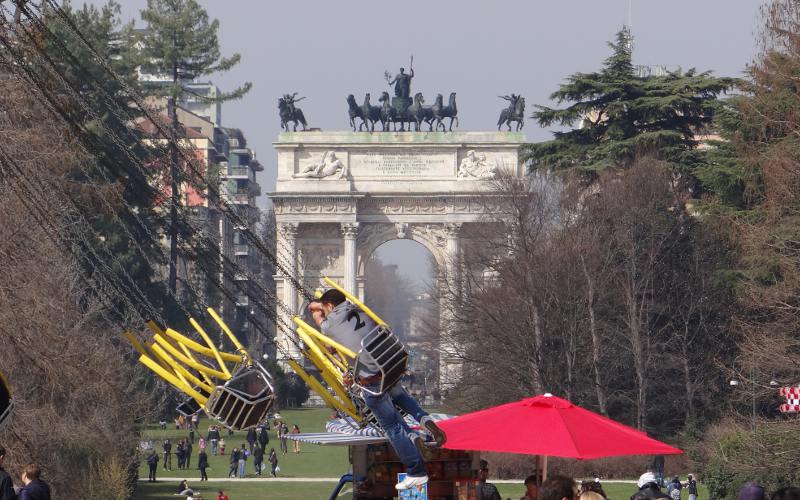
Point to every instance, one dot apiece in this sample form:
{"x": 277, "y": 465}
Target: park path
{"x": 323, "y": 480}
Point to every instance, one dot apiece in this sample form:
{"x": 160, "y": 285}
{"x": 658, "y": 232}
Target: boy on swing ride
{"x": 348, "y": 324}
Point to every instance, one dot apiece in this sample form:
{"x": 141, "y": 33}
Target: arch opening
{"x": 400, "y": 276}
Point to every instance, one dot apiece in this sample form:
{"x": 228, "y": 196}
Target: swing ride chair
{"x": 334, "y": 361}
{"x": 6, "y": 403}
{"x": 239, "y": 396}
{"x": 388, "y": 353}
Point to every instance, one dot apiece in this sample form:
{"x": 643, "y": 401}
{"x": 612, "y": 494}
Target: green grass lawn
{"x": 312, "y": 461}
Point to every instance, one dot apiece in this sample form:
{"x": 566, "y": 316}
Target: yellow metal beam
{"x": 317, "y": 387}
{"x": 201, "y": 349}
{"x": 217, "y": 355}
{"x": 352, "y": 298}
{"x": 186, "y": 361}
{"x": 323, "y": 338}
{"x": 315, "y": 349}
{"x": 170, "y": 378}
{"x": 229, "y": 333}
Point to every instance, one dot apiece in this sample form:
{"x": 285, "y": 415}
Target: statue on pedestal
{"x": 515, "y": 112}
{"x": 289, "y": 113}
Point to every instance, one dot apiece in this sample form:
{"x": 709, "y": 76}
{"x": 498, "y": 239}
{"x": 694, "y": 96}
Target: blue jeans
{"x": 242, "y": 463}
{"x": 213, "y": 446}
{"x": 383, "y": 407}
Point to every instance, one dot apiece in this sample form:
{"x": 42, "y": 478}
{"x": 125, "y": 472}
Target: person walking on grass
{"x": 691, "y": 487}
{"x": 234, "y": 462}
{"x": 202, "y": 464}
{"x": 258, "y": 459}
{"x": 295, "y": 443}
{"x": 213, "y": 438}
{"x": 252, "y": 437}
{"x": 167, "y": 447}
{"x": 152, "y": 464}
{"x": 284, "y": 436}
{"x": 243, "y": 453}
{"x": 187, "y": 454}
{"x": 263, "y": 436}
{"x": 273, "y": 461}
{"x": 180, "y": 454}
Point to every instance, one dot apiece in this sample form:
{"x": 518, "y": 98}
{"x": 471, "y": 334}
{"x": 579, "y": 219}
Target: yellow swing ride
{"x": 235, "y": 389}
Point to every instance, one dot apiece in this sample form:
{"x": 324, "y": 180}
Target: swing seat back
{"x": 243, "y": 401}
{"x": 389, "y": 354}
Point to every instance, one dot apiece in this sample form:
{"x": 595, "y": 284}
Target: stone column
{"x": 449, "y": 367}
{"x": 287, "y": 244}
{"x": 451, "y": 233}
{"x": 350, "y": 233}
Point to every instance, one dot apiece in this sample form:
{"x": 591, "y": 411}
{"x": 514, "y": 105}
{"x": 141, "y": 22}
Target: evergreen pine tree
{"x": 620, "y": 113}
{"x": 180, "y": 44}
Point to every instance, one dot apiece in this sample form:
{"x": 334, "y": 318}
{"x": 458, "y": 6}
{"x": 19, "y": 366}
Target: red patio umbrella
{"x": 548, "y": 425}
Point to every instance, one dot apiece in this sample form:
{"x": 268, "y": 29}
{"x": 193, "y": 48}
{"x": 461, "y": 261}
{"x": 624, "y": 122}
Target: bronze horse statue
{"x": 289, "y": 113}
{"x": 418, "y": 113}
{"x": 449, "y": 111}
{"x": 515, "y": 112}
{"x": 371, "y": 114}
{"x": 388, "y": 113}
{"x": 355, "y": 111}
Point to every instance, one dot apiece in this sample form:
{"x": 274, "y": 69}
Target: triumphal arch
{"x": 340, "y": 195}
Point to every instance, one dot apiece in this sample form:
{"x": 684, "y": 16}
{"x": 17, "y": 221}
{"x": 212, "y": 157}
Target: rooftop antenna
{"x": 630, "y": 25}
{"x": 630, "y": 14}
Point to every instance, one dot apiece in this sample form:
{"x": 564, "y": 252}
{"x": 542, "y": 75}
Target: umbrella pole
{"x": 540, "y": 466}
{"x": 544, "y": 468}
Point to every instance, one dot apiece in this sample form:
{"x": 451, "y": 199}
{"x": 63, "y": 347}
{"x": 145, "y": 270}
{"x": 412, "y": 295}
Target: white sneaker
{"x": 411, "y": 481}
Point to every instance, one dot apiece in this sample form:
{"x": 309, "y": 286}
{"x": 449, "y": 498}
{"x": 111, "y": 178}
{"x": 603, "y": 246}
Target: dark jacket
{"x": 649, "y": 490}
{"x": 488, "y": 491}
{"x": 35, "y": 490}
{"x": 6, "y": 486}
{"x": 252, "y": 436}
{"x": 202, "y": 460}
{"x": 235, "y": 456}
{"x": 263, "y": 437}
{"x": 152, "y": 460}
{"x": 258, "y": 453}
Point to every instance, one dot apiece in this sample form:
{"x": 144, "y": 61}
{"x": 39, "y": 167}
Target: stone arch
{"x": 406, "y": 185}
{"x": 390, "y": 232}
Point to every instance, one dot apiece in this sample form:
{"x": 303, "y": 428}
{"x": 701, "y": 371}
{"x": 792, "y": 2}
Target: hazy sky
{"x": 479, "y": 48}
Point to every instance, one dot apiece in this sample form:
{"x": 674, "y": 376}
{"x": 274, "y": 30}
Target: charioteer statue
{"x": 402, "y": 90}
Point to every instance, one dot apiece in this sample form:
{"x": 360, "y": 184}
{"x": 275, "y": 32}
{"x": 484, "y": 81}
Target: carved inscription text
{"x": 402, "y": 164}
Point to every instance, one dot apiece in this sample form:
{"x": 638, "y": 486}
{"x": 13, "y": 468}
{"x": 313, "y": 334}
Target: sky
{"x": 480, "y": 49}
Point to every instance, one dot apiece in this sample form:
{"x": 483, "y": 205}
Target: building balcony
{"x": 242, "y": 301}
{"x": 241, "y": 249}
{"x": 240, "y": 277}
{"x": 238, "y": 173}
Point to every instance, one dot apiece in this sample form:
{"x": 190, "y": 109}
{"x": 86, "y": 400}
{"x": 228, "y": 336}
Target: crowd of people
{"x": 565, "y": 488}
{"x": 255, "y": 449}
{"x": 30, "y": 486}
